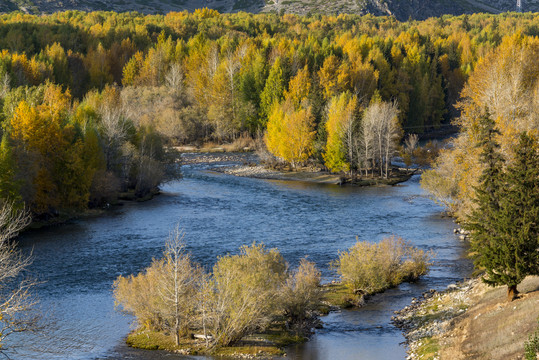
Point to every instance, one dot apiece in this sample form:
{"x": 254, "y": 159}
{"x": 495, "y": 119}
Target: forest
{"x": 92, "y": 103}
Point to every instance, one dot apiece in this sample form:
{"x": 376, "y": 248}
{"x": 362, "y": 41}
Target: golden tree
{"x": 290, "y": 133}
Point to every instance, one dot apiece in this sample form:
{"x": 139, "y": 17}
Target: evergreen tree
{"x": 273, "y": 91}
{"x": 504, "y": 225}
{"x": 9, "y": 188}
{"x": 518, "y": 223}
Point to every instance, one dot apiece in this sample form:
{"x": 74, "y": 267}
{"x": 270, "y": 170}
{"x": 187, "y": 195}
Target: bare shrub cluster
{"x": 374, "y": 267}
{"x": 245, "y": 294}
{"x": 17, "y": 301}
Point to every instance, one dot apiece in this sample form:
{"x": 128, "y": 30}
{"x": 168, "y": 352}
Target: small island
{"x": 253, "y": 303}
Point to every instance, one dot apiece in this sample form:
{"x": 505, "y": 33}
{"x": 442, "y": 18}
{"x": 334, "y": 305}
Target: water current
{"x": 79, "y": 261}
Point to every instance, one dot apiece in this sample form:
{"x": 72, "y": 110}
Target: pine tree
{"x": 504, "y": 236}
{"x": 518, "y": 223}
{"x": 273, "y": 91}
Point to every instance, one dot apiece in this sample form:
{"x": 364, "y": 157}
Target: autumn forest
{"x": 91, "y": 102}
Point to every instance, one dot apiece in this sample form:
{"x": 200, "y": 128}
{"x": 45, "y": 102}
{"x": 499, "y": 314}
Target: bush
{"x": 164, "y": 297}
{"x": 245, "y": 293}
{"x": 301, "y": 297}
{"x": 531, "y": 347}
{"x": 372, "y": 268}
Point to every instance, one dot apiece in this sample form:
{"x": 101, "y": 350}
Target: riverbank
{"x": 258, "y": 171}
{"x": 267, "y": 345}
{"x": 64, "y": 217}
{"x": 470, "y": 320}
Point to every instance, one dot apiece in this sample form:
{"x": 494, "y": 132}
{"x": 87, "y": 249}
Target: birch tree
{"x": 16, "y": 298}
{"x": 178, "y": 284}
{"x": 381, "y": 131}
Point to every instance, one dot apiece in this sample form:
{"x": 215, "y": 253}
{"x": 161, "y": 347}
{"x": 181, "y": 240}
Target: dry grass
{"x": 492, "y": 328}
{"x": 242, "y": 143}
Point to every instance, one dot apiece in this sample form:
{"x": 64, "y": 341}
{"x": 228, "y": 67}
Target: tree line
{"x": 59, "y": 155}
{"x": 90, "y": 101}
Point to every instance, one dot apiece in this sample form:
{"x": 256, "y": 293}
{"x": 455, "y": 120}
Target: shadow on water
{"x": 80, "y": 260}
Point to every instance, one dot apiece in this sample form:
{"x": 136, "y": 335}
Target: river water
{"x": 79, "y": 261}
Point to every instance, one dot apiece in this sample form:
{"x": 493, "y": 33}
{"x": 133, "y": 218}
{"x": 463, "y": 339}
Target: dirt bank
{"x": 471, "y": 321}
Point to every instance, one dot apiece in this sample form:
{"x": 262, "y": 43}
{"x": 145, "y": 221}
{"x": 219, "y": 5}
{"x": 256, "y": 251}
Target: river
{"x": 79, "y": 261}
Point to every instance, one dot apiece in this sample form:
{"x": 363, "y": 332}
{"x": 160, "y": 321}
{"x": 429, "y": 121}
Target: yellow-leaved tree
{"x": 341, "y": 129}
{"x": 290, "y": 133}
{"x": 506, "y": 82}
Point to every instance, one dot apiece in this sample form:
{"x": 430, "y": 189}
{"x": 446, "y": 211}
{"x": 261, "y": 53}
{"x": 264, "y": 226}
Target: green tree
{"x": 273, "y": 91}
{"x": 9, "y": 188}
{"x": 504, "y": 226}
{"x": 340, "y": 127}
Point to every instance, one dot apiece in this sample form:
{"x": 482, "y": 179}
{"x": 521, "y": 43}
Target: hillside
{"x": 402, "y": 9}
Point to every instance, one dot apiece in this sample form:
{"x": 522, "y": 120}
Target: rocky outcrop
{"x": 401, "y": 9}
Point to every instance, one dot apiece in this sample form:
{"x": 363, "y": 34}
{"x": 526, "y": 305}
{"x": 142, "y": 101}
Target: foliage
{"x": 244, "y": 294}
{"x": 372, "y": 268}
{"x": 164, "y": 297}
{"x": 340, "y": 127}
{"x": 531, "y": 347}
{"x": 504, "y": 226}
{"x": 290, "y": 133}
{"x": 505, "y": 80}
{"x": 301, "y": 297}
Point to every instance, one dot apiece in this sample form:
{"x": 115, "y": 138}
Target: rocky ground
{"x": 401, "y": 9}
{"x": 260, "y": 172}
{"x": 470, "y": 321}
{"x": 217, "y": 157}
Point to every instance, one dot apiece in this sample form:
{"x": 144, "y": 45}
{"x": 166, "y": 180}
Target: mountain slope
{"x": 402, "y": 9}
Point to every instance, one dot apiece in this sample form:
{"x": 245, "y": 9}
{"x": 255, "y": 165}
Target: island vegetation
{"x": 252, "y": 301}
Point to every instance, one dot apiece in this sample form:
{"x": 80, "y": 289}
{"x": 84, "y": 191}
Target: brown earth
{"x": 471, "y": 321}
{"x": 493, "y": 328}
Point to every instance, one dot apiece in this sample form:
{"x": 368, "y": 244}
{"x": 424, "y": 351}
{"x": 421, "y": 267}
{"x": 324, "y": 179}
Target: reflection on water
{"x": 79, "y": 261}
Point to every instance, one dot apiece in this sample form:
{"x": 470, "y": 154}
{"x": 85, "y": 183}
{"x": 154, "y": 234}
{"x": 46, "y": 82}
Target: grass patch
{"x": 268, "y": 344}
{"x": 339, "y": 295}
{"x": 428, "y": 349}
{"x": 152, "y": 340}
{"x": 241, "y": 351}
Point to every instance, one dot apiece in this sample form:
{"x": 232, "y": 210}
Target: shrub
{"x": 531, "y": 347}
{"x": 373, "y": 268}
{"x": 246, "y": 293}
{"x": 301, "y": 297}
{"x": 245, "y": 289}
{"x": 164, "y": 297}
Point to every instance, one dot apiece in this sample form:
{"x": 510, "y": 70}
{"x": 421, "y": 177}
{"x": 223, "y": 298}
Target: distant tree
{"x": 341, "y": 132}
{"x": 9, "y": 186}
{"x": 410, "y": 145}
{"x": 273, "y": 90}
{"x": 290, "y": 133}
{"x": 380, "y": 125}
